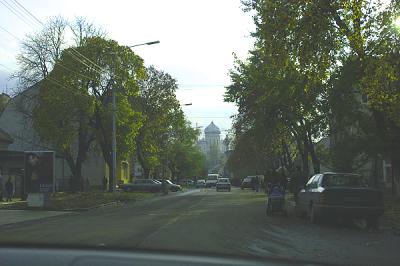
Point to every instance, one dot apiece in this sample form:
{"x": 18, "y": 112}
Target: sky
{"x": 197, "y": 42}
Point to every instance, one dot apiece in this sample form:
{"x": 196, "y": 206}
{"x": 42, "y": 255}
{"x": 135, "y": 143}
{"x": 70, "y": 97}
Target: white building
{"x": 212, "y": 138}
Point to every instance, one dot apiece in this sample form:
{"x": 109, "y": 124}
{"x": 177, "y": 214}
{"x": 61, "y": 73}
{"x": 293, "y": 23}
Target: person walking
{"x": 164, "y": 187}
{"x": 9, "y": 189}
{"x": 105, "y": 183}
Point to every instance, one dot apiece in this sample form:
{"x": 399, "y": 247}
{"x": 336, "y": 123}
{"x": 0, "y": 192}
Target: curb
{"x": 92, "y": 207}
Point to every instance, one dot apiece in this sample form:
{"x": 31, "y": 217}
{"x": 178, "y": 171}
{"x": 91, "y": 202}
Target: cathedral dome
{"x": 212, "y": 128}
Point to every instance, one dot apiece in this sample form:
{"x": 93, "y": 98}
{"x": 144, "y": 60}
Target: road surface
{"x": 208, "y": 221}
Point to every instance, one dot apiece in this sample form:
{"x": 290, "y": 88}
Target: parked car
{"x": 247, "y": 183}
{"x": 144, "y": 185}
{"x": 186, "y": 182}
{"x": 223, "y": 184}
{"x": 340, "y": 195}
{"x": 172, "y": 187}
{"x": 201, "y": 183}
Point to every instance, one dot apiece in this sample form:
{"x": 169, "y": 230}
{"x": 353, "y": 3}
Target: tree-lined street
{"x": 204, "y": 220}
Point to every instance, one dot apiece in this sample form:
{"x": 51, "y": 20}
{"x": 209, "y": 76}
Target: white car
{"x": 223, "y": 184}
{"x": 212, "y": 180}
{"x": 201, "y": 183}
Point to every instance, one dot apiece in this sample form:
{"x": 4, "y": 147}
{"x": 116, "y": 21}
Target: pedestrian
{"x": 105, "y": 181}
{"x": 164, "y": 187}
{"x": 297, "y": 182}
{"x": 9, "y": 189}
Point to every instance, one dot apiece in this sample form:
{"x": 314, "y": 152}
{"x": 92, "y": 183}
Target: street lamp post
{"x": 114, "y": 130}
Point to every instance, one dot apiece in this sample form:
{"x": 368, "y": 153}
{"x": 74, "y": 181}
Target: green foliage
{"x": 160, "y": 109}
{"x": 303, "y": 80}
{"x": 75, "y": 104}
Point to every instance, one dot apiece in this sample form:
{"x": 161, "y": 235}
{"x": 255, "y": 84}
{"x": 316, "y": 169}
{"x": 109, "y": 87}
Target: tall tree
{"x": 160, "y": 108}
{"x": 75, "y": 106}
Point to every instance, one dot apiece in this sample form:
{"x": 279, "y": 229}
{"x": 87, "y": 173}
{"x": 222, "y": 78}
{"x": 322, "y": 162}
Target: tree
{"x": 40, "y": 51}
{"x": 4, "y": 98}
{"x": 293, "y": 74}
{"x": 75, "y": 105}
{"x": 184, "y": 157}
{"x": 160, "y": 109}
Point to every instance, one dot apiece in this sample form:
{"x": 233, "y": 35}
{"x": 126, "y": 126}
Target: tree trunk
{"x": 146, "y": 172}
{"x": 140, "y": 156}
{"x": 306, "y": 166}
{"x": 314, "y": 158}
{"x": 288, "y": 157}
{"x": 395, "y": 176}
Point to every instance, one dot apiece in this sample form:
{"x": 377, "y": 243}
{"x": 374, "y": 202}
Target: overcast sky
{"x": 197, "y": 41}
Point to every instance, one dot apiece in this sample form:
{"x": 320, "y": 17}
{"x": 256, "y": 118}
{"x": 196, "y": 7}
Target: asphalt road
{"x": 208, "y": 221}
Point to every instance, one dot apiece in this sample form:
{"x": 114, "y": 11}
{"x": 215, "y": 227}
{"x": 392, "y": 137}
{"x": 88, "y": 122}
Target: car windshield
{"x": 165, "y": 125}
{"x": 344, "y": 180}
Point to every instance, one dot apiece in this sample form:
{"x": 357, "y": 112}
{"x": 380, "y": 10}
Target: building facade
{"x": 18, "y": 135}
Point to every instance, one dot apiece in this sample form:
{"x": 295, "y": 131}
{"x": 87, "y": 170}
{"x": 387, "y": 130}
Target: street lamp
{"x": 146, "y": 43}
{"x": 114, "y": 130}
{"x": 186, "y": 104}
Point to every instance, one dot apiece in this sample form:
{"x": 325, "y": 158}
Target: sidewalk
{"x": 16, "y": 216}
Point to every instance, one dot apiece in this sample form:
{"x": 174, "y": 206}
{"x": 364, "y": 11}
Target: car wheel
{"x": 314, "y": 219}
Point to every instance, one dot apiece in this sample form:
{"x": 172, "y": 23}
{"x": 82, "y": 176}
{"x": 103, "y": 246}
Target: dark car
{"x": 186, "y": 182}
{"x": 172, "y": 187}
{"x": 340, "y": 195}
{"x": 143, "y": 185}
{"x": 247, "y": 183}
{"x": 223, "y": 184}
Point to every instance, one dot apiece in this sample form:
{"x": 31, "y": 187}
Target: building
{"x": 213, "y": 147}
{"x": 17, "y": 135}
{"x": 211, "y": 140}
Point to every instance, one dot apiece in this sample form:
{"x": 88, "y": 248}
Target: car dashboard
{"x": 41, "y": 256}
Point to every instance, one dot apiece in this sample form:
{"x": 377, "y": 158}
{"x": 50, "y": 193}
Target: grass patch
{"x": 62, "y": 201}
{"x": 82, "y": 200}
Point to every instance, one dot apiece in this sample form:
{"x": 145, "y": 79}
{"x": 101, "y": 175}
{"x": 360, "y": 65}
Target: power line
{"x": 22, "y": 17}
{"x": 74, "y": 56}
{"x": 27, "y": 11}
{"x": 6, "y": 67}
{"x": 16, "y": 12}
{"x": 18, "y": 39}
{"x": 206, "y": 117}
{"x": 201, "y": 85}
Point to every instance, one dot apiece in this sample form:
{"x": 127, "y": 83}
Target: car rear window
{"x": 344, "y": 180}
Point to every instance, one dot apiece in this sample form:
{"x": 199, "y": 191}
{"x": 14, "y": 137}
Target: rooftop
{"x": 212, "y": 128}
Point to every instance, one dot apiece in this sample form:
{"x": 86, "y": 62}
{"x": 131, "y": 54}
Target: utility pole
{"x": 114, "y": 144}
